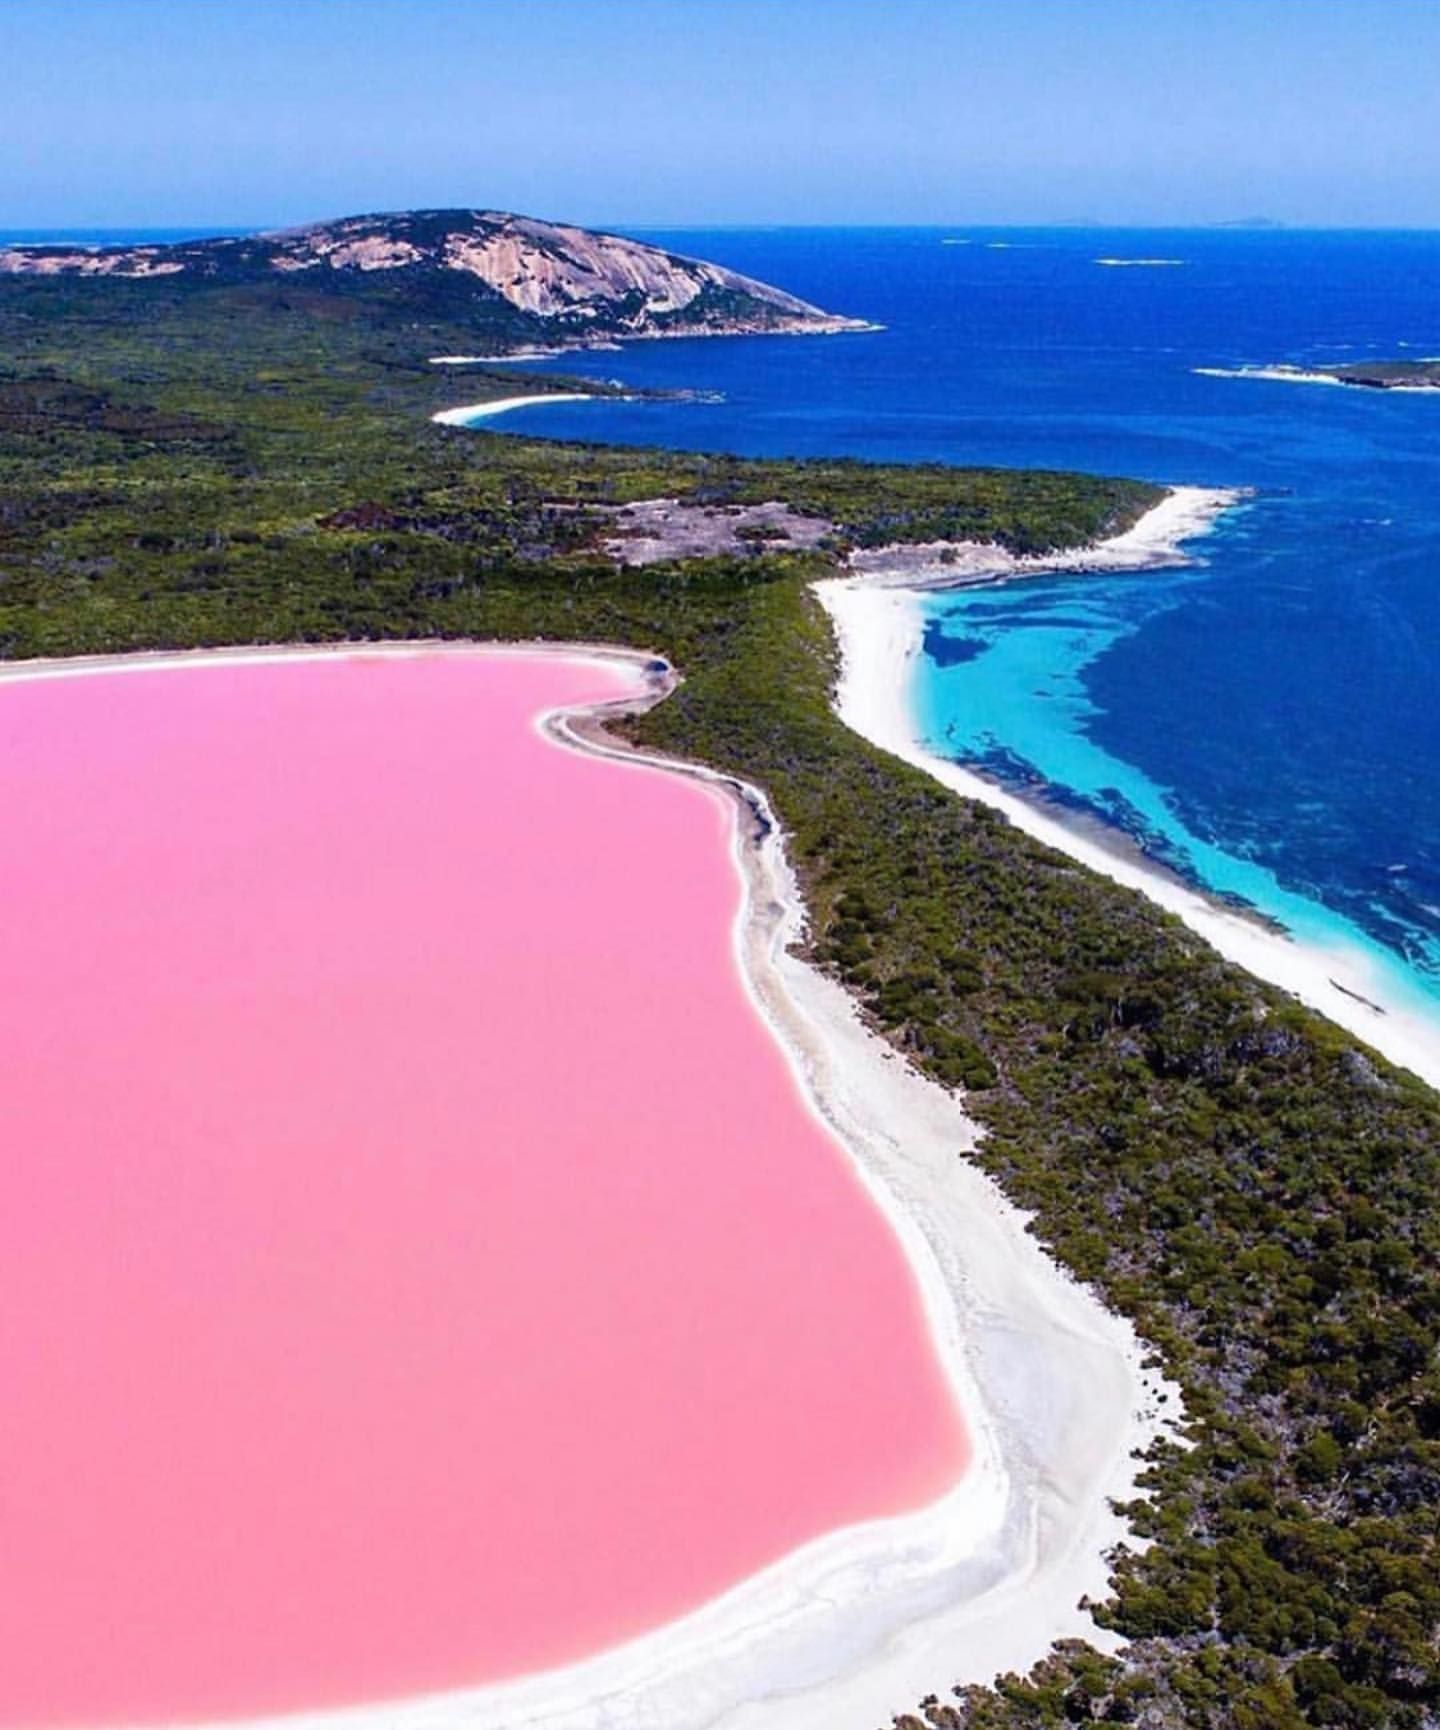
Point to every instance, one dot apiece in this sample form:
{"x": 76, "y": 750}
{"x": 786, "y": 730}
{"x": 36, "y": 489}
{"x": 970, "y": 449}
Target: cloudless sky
{"x": 631, "y": 112}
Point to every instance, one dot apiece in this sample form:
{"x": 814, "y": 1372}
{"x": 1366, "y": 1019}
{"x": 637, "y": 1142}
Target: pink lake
{"x": 420, "y": 1264}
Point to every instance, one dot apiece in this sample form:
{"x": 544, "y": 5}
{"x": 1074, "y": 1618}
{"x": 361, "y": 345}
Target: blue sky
{"x": 667, "y": 112}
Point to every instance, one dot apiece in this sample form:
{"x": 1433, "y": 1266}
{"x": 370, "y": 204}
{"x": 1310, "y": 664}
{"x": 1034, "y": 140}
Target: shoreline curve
{"x": 468, "y": 414}
{"x": 877, "y": 618}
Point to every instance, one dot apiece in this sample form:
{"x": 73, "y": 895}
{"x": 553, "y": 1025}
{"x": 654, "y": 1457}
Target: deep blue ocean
{"x": 1267, "y": 722}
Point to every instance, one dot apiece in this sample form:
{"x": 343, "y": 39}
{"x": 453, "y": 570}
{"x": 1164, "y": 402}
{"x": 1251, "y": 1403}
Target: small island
{"x": 1388, "y": 374}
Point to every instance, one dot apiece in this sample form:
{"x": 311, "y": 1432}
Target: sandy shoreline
{"x": 472, "y": 412}
{"x": 863, "y": 1622}
{"x": 1150, "y": 544}
{"x": 878, "y": 619}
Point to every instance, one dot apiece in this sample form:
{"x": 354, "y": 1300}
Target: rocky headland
{"x": 526, "y": 280}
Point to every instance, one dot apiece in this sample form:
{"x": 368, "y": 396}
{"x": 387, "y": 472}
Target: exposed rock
{"x": 87, "y": 261}
{"x": 580, "y": 282}
{"x": 657, "y": 529}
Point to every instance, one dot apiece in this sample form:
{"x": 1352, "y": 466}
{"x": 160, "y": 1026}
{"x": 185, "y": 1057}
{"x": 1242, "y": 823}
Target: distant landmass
{"x": 522, "y": 280}
{"x": 1388, "y": 374}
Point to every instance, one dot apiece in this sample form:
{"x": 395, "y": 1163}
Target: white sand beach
{"x": 878, "y": 618}
{"x": 518, "y": 354}
{"x": 472, "y": 412}
{"x": 864, "y": 1622}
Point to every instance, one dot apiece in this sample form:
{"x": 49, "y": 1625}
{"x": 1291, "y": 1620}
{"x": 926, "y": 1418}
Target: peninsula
{"x": 512, "y": 280}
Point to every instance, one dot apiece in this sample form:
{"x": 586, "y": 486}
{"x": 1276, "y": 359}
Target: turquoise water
{"x": 1013, "y": 701}
{"x": 1268, "y": 723}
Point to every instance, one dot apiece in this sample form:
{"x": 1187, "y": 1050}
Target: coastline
{"x": 877, "y": 617}
{"x": 1280, "y": 374}
{"x": 825, "y": 326}
{"x": 1051, "y": 1385}
{"x": 1152, "y": 543}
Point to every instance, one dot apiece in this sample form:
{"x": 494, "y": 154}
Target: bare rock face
{"x": 138, "y": 261}
{"x": 653, "y": 530}
{"x": 574, "y": 280}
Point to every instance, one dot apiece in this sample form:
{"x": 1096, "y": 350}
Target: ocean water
{"x": 1267, "y": 722}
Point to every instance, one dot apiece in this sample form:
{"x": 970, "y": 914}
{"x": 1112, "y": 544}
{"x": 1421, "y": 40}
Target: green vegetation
{"x": 1256, "y": 1190}
{"x": 511, "y": 281}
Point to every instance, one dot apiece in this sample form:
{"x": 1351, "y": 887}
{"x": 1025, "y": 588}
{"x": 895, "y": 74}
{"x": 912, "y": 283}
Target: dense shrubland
{"x": 1255, "y": 1189}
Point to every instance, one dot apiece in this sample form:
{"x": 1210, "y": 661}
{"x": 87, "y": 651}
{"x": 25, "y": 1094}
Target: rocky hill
{"x": 530, "y": 279}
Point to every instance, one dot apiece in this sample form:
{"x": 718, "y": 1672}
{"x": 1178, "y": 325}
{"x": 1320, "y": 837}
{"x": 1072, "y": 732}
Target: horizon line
{"x": 220, "y": 227}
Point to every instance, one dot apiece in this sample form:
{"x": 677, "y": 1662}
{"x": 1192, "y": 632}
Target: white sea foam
{"x": 1280, "y": 374}
{"x": 1306, "y": 375}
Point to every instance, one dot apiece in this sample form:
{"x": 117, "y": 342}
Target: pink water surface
{"x": 419, "y": 1265}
